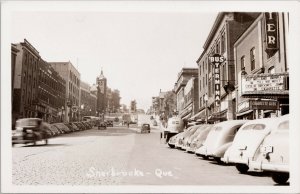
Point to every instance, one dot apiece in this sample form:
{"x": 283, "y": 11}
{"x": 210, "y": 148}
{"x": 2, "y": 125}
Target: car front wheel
{"x": 242, "y": 168}
{"x": 280, "y": 178}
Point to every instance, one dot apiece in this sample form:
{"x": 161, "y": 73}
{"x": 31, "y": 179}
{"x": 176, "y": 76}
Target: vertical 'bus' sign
{"x": 271, "y": 22}
{"x": 217, "y": 60}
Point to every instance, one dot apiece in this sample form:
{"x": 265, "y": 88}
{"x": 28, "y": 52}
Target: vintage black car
{"x": 29, "y": 130}
{"x": 102, "y": 125}
{"x": 109, "y": 123}
{"x": 145, "y": 128}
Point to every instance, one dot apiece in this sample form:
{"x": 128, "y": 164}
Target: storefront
{"x": 266, "y": 95}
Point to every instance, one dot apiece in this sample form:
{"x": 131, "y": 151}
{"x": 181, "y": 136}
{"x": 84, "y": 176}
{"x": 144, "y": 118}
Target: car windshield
{"x": 284, "y": 125}
{"x": 255, "y": 127}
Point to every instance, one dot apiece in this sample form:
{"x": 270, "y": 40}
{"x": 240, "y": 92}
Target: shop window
{"x": 252, "y": 58}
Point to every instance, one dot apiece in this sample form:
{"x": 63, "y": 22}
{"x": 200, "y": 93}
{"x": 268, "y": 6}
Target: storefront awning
{"x": 187, "y": 116}
{"x": 243, "y": 113}
{"x": 267, "y": 94}
{"x": 199, "y": 115}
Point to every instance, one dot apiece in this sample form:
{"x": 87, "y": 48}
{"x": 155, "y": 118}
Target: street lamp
{"x": 206, "y": 111}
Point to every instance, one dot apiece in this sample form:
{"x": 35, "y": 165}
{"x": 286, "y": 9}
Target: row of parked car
{"x": 256, "y": 145}
{"x": 31, "y": 130}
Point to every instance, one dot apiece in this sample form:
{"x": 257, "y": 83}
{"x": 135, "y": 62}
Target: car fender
{"x": 220, "y": 151}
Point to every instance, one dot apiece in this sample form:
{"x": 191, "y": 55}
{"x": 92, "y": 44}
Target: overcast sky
{"x": 140, "y": 53}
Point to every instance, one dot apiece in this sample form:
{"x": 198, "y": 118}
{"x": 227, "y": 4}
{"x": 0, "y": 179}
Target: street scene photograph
{"x": 133, "y": 96}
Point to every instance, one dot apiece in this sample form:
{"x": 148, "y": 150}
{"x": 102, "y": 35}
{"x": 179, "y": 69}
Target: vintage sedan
{"x": 247, "y": 140}
{"x": 29, "y": 130}
{"x": 187, "y": 141}
{"x": 273, "y": 155}
{"x": 219, "y": 139}
{"x": 172, "y": 141}
{"x": 199, "y": 140}
{"x": 190, "y": 131}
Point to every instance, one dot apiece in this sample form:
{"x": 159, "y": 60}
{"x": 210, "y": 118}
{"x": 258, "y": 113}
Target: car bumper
{"x": 263, "y": 166}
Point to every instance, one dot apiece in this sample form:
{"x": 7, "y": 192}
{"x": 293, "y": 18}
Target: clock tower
{"x": 101, "y": 93}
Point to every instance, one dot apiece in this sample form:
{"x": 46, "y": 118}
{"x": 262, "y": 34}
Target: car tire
{"x": 280, "y": 177}
{"x": 205, "y": 157}
{"x": 242, "y": 168}
{"x": 218, "y": 160}
{"x": 171, "y": 146}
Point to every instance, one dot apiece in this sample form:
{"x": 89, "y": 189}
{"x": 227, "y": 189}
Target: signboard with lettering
{"x": 217, "y": 60}
{"x": 264, "y": 105}
{"x": 271, "y": 22}
{"x": 263, "y": 82}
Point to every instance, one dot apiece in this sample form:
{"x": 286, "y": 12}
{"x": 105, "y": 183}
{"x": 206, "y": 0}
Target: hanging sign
{"x": 217, "y": 60}
{"x": 271, "y": 26}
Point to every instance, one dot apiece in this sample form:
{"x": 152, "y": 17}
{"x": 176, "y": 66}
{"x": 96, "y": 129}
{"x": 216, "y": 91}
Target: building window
{"x": 209, "y": 66}
{"x": 203, "y": 82}
{"x": 252, "y": 58}
{"x": 200, "y": 85}
{"x": 271, "y": 70}
{"x": 200, "y": 69}
{"x": 200, "y": 102}
{"x": 223, "y": 46}
{"x": 218, "y": 48}
{"x": 242, "y": 63}
{"x": 206, "y": 78}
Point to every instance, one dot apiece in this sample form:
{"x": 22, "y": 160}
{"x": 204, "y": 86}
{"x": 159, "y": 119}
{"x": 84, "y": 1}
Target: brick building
{"x": 72, "y": 77}
{"x": 25, "y": 83}
{"x": 226, "y": 29}
{"x": 88, "y": 100}
{"x": 184, "y": 111}
{"x": 262, "y": 68}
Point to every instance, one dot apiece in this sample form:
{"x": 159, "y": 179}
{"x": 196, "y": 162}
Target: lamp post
{"x": 206, "y": 111}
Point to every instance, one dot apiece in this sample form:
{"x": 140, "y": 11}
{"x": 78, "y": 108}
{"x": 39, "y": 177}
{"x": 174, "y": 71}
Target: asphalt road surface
{"x": 119, "y": 156}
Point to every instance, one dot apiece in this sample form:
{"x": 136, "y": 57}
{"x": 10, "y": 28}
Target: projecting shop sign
{"x": 271, "y": 22}
{"x": 217, "y": 60}
{"x": 274, "y": 82}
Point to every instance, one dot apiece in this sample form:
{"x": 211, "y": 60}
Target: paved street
{"x": 119, "y": 156}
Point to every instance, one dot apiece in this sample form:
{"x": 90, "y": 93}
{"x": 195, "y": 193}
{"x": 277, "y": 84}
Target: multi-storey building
{"x": 38, "y": 90}
{"x": 262, "y": 68}
{"x": 226, "y": 29}
{"x": 183, "y": 77}
{"x": 25, "y": 83}
{"x": 72, "y": 77}
{"x": 51, "y": 94}
{"x": 191, "y": 97}
{"x": 14, "y": 52}
{"x": 88, "y": 100}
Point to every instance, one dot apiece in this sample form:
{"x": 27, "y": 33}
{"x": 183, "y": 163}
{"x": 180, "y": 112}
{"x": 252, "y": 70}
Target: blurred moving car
{"x": 109, "y": 123}
{"x": 102, "y": 125}
{"x": 29, "y": 130}
{"x": 145, "y": 128}
{"x": 196, "y": 143}
{"x": 273, "y": 155}
{"x": 219, "y": 139}
{"x": 247, "y": 141}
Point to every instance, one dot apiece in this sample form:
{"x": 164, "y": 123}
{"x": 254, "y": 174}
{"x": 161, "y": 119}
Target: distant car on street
{"x": 109, "y": 123}
{"x": 145, "y": 128}
{"x": 154, "y": 122}
{"x": 102, "y": 125}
